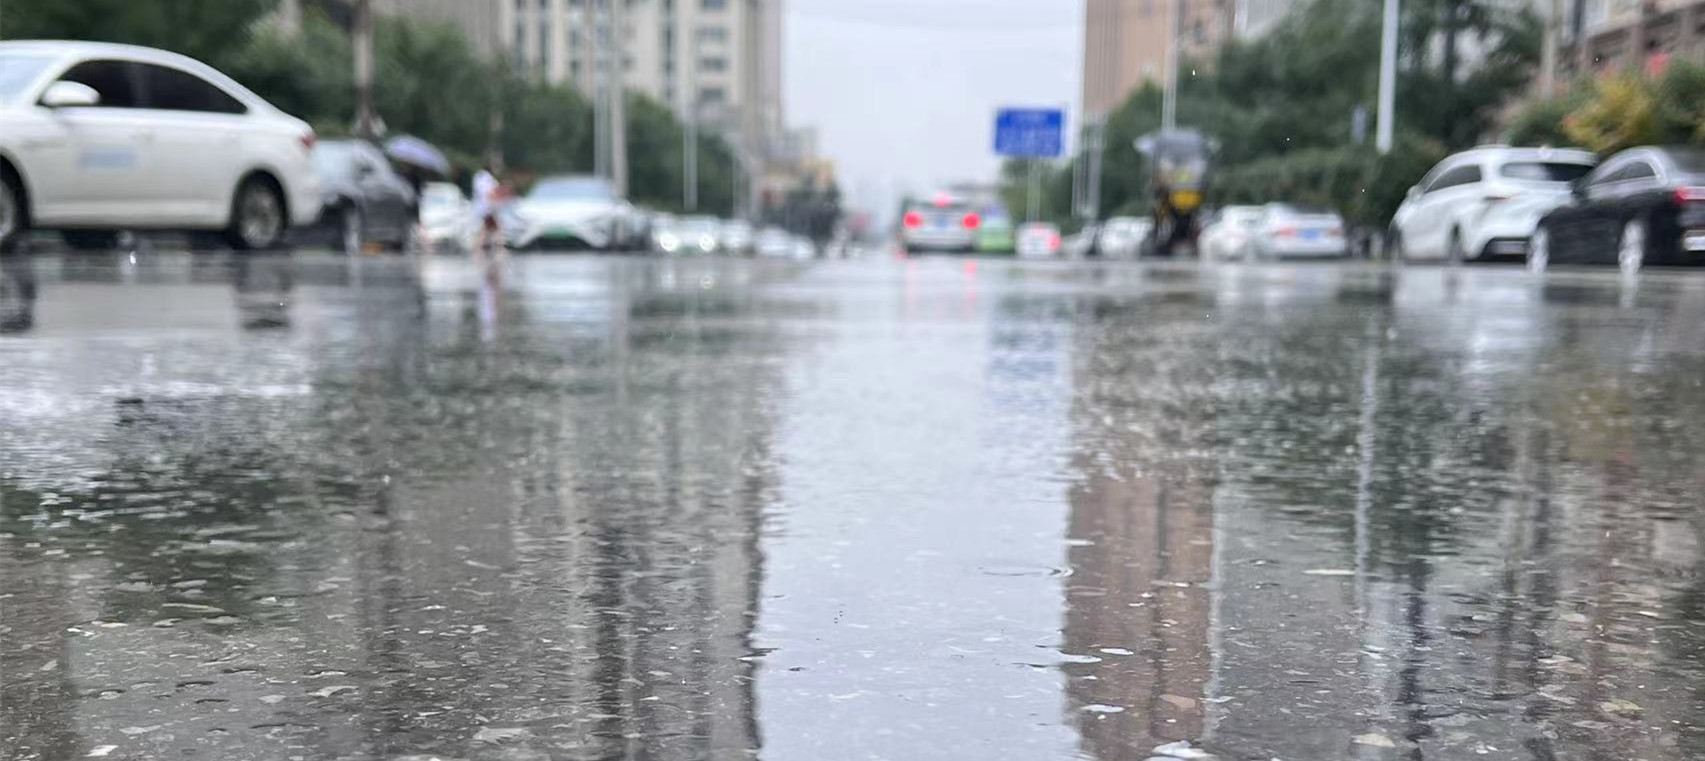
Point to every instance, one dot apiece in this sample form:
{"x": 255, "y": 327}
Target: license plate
{"x": 1311, "y": 235}
{"x": 941, "y": 223}
{"x": 1694, "y": 241}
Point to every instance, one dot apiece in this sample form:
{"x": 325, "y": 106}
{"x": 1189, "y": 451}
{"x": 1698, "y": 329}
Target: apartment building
{"x": 718, "y": 60}
{"x": 1613, "y": 34}
{"x": 1126, "y": 41}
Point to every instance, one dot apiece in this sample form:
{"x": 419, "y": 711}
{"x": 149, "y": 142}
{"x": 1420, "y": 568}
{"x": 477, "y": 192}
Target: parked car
{"x": 735, "y": 237}
{"x": 803, "y": 248}
{"x": 1298, "y": 231}
{"x": 995, "y": 235}
{"x": 943, "y": 224}
{"x": 1231, "y": 233}
{"x": 363, "y": 200}
{"x": 774, "y": 242}
{"x": 97, "y": 138}
{"x": 1038, "y": 240}
{"x": 1484, "y": 202}
{"x": 1641, "y": 206}
{"x": 571, "y": 211}
{"x": 1124, "y": 237}
{"x": 1081, "y": 244}
{"x": 447, "y": 217}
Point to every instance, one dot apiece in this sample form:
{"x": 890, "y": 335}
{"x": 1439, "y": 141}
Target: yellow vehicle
{"x": 1178, "y": 166}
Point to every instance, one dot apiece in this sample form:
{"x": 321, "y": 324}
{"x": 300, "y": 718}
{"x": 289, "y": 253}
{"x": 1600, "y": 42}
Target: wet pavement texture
{"x": 303, "y": 507}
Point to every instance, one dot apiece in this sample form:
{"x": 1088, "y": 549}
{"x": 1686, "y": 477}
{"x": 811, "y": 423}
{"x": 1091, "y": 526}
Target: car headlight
{"x": 669, "y": 243}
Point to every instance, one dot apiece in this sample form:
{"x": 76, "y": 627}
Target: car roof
{"x": 1507, "y": 153}
{"x": 69, "y": 49}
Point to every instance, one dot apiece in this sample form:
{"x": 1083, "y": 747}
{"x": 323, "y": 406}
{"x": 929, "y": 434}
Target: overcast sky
{"x": 903, "y": 92}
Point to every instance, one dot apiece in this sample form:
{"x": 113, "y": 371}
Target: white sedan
{"x": 97, "y": 138}
{"x": 570, "y": 211}
{"x": 1231, "y": 233}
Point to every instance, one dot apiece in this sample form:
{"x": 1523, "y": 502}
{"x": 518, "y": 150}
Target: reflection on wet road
{"x": 299, "y": 507}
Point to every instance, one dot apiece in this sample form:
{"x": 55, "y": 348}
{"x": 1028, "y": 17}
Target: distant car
{"x": 363, "y": 200}
{"x": 691, "y": 235}
{"x": 1484, "y": 202}
{"x": 774, "y": 242}
{"x": 1081, "y": 244}
{"x": 944, "y": 224}
{"x": 1231, "y": 233}
{"x": 803, "y": 248}
{"x": 571, "y": 212}
{"x": 1641, "y": 206}
{"x": 1124, "y": 237}
{"x": 1298, "y": 231}
{"x": 97, "y": 138}
{"x": 735, "y": 237}
{"x": 995, "y": 234}
{"x": 1038, "y": 240}
{"x": 447, "y": 217}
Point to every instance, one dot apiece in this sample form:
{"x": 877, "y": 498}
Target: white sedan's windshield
{"x": 18, "y": 71}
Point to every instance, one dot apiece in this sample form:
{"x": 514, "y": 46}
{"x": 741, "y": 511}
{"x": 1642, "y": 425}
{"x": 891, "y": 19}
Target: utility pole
{"x": 1097, "y": 140}
{"x": 618, "y": 99}
{"x": 1548, "y": 50}
{"x": 690, "y": 117}
{"x": 366, "y": 120}
{"x": 600, "y": 90}
{"x": 1169, "y": 104}
{"x": 1035, "y": 190}
{"x": 1387, "y": 78}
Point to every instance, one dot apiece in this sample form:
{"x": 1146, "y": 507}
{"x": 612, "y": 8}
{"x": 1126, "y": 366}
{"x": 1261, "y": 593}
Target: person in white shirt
{"x": 485, "y": 200}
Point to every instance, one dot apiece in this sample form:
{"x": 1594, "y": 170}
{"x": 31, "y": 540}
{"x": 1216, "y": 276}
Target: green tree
{"x": 209, "y": 30}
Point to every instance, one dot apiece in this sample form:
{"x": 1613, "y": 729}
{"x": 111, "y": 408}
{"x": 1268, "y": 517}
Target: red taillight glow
{"x": 912, "y": 220}
{"x": 1285, "y": 232}
{"x": 1689, "y": 195}
{"x": 1053, "y": 242}
{"x": 308, "y": 141}
{"x": 971, "y": 221}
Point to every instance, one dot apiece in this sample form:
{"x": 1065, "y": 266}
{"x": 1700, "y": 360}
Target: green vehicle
{"x": 994, "y": 235}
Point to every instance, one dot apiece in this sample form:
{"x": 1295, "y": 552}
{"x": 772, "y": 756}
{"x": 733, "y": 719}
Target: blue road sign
{"x": 1037, "y": 133}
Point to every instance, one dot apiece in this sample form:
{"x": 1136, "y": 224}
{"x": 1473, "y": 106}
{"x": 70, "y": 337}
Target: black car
{"x": 365, "y": 200}
{"x": 1641, "y": 206}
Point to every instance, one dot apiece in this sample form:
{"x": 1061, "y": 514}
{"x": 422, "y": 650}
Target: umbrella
{"x": 419, "y": 154}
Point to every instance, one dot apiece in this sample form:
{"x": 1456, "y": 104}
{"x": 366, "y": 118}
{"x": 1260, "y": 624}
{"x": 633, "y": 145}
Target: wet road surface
{"x": 299, "y": 507}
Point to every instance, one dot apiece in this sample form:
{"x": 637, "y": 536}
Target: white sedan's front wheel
{"x": 12, "y": 227}
{"x": 258, "y": 219}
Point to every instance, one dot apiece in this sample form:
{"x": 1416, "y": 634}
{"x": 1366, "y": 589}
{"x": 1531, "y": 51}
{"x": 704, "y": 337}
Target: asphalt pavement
{"x": 300, "y": 506}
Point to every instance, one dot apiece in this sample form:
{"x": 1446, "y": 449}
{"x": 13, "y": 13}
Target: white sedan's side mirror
{"x": 70, "y": 95}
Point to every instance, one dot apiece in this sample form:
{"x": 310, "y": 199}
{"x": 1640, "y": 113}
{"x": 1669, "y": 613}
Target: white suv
{"x": 1484, "y": 202}
{"x": 96, "y": 138}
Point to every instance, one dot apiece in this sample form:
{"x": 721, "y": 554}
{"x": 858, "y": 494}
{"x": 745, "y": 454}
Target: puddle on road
{"x": 584, "y": 508}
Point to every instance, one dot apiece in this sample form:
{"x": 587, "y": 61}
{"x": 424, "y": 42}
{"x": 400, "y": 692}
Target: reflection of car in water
{"x": 17, "y": 295}
{"x": 1178, "y": 177}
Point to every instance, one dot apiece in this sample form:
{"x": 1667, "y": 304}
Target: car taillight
{"x": 912, "y": 220}
{"x": 1285, "y": 232}
{"x": 971, "y": 221}
{"x": 1053, "y": 241}
{"x": 308, "y": 141}
{"x": 1689, "y": 195}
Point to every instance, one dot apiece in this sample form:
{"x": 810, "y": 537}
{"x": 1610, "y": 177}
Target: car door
{"x": 87, "y": 162}
{"x": 196, "y": 133}
{"x": 1440, "y": 205}
{"x": 1598, "y": 224}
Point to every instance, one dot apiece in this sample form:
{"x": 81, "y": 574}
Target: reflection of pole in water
{"x": 491, "y": 299}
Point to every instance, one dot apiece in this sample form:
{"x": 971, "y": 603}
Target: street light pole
{"x": 366, "y": 121}
{"x": 1169, "y": 104}
{"x": 1387, "y": 78}
{"x": 618, "y": 99}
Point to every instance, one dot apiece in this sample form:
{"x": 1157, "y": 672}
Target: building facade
{"x": 1126, "y": 41}
{"x": 1614, "y": 34}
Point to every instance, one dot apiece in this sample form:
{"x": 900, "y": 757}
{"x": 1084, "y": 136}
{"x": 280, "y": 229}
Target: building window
{"x": 713, "y": 34}
{"x": 713, "y": 96}
{"x": 713, "y": 65}
{"x": 544, "y": 7}
{"x": 713, "y": 5}
{"x": 520, "y": 38}
{"x": 544, "y": 44}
